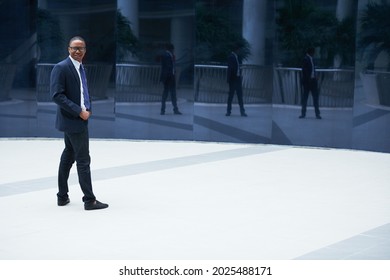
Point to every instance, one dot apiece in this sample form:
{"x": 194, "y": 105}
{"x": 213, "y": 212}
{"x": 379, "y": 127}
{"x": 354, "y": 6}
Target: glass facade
{"x": 126, "y": 44}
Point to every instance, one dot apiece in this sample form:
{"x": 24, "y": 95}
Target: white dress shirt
{"x": 77, "y": 66}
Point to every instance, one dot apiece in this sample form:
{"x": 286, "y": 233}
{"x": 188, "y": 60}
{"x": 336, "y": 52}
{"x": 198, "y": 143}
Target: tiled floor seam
{"x": 19, "y": 187}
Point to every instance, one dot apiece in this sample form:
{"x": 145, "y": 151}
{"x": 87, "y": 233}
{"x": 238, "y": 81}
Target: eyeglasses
{"x": 75, "y": 49}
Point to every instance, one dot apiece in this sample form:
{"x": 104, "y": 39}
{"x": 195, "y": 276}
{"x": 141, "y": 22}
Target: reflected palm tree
{"x": 127, "y": 42}
{"x": 302, "y": 24}
{"x": 215, "y": 37}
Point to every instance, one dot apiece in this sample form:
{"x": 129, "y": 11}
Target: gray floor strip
{"x": 367, "y": 117}
{"x": 370, "y": 245}
{"x": 237, "y": 133}
{"x": 177, "y": 125}
{"x": 137, "y": 168}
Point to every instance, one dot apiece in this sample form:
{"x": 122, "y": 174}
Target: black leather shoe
{"x": 95, "y": 205}
{"x": 227, "y": 114}
{"x": 318, "y": 117}
{"x": 162, "y": 113}
{"x": 302, "y": 116}
{"x": 61, "y": 202}
{"x": 177, "y": 112}
{"x": 243, "y": 114}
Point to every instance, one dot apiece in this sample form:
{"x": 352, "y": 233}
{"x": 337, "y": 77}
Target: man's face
{"x": 77, "y": 50}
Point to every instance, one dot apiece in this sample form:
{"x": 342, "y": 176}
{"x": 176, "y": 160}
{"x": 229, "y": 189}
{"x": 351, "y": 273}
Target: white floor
{"x": 189, "y": 200}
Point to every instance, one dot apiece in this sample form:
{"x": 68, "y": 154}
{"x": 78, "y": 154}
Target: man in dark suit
{"x": 309, "y": 83}
{"x": 69, "y": 90}
{"x": 234, "y": 80}
{"x": 168, "y": 78}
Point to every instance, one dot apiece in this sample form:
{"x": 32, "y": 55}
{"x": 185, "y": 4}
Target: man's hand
{"x": 85, "y": 115}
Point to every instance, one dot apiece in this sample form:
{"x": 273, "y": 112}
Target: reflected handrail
{"x": 7, "y": 74}
{"x": 139, "y": 82}
{"x": 336, "y": 87}
{"x": 211, "y": 84}
{"x": 376, "y": 84}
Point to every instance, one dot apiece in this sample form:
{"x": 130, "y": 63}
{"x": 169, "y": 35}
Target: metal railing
{"x": 211, "y": 84}
{"x": 98, "y": 76}
{"x": 137, "y": 83}
{"x": 380, "y": 84}
{"x": 336, "y": 87}
{"x": 7, "y": 74}
{"x": 140, "y": 82}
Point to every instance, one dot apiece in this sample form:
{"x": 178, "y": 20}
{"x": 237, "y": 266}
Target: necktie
{"x": 238, "y": 65}
{"x": 173, "y": 62}
{"x": 313, "y": 75}
{"x": 85, "y": 87}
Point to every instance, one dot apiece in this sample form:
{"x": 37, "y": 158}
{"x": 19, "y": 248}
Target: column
{"x": 129, "y": 9}
{"x": 42, "y": 4}
{"x": 344, "y": 10}
{"x": 182, "y": 37}
{"x": 254, "y": 29}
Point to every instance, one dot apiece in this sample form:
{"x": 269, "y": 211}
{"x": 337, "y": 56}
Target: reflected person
{"x": 168, "y": 78}
{"x": 234, "y": 79}
{"x": 309, "y": 83}
{"x": 69, "y": 90}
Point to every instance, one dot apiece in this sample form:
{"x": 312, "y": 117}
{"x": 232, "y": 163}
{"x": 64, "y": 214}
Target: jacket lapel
{"x": 73, "y": 71}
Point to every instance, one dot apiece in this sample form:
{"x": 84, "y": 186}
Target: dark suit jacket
{"x": 233, "y": 67}
{"x": 307, "y": 69}
{"x": 65, "y": 91}
{"x": 166, "y": 67}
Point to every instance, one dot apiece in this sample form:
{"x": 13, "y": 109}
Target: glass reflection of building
{"x": 36, "y": 37}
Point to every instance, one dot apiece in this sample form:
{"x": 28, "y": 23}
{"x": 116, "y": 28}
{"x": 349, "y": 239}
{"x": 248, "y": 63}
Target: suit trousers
{"x": 169, "y": 87}
{"x": 235, "y": 86}
{"x": 76, "y": 149}
{"x": 310, "y": 87}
